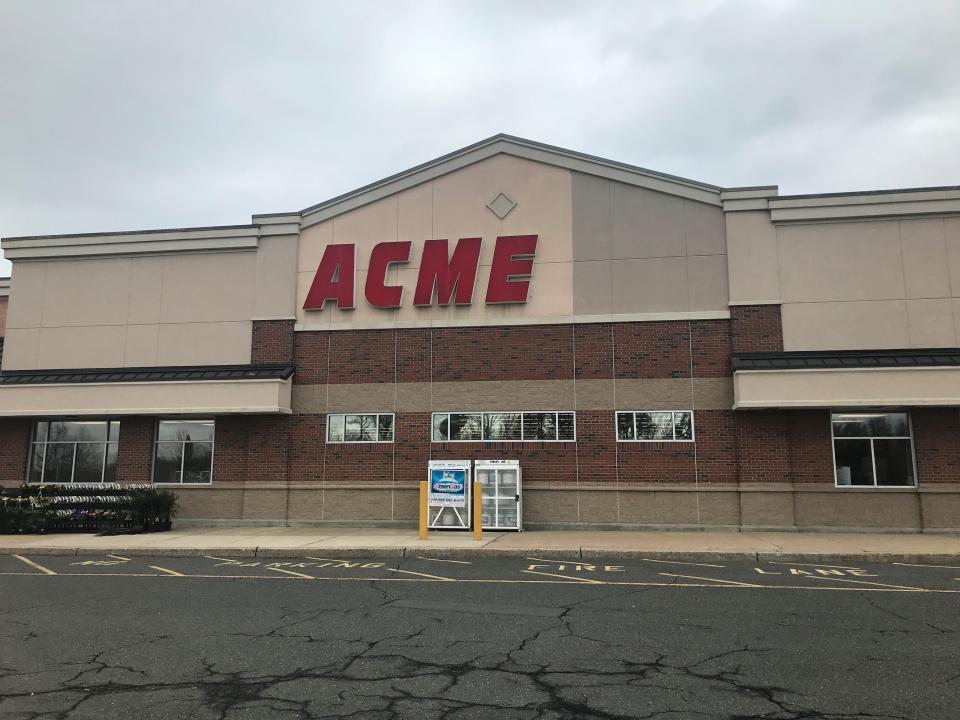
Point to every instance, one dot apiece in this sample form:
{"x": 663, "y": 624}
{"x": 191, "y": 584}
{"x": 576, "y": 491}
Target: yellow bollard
{"x": 424, "y": 509}
{"x": 477, "y": 512}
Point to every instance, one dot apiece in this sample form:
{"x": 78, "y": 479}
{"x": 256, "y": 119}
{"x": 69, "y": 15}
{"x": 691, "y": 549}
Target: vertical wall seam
{"x": 326, "y": 408}
{"x": 393, "y": 445}
{"x": 696, "y": 435}
{"x": 576, "y": 412}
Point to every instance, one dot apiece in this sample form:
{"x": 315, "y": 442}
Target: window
{"x": 504, "y": 427}
{"x": 360, "y": 428}
{"x": 872, "y": 449}
{"x": 655, "y": 426}
{"x": 83, "y": 451}
{"x": 184, "y": 452}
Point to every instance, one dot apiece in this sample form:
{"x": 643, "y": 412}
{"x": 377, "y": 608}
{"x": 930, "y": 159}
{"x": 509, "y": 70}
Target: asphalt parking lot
{"x": 110, "y": 636}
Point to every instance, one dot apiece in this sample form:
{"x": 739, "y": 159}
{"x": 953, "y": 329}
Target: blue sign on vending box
{"x": 448, "y": 487}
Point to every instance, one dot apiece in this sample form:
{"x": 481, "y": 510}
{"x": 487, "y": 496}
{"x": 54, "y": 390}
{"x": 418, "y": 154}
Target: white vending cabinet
{"x": 500, "y": 493}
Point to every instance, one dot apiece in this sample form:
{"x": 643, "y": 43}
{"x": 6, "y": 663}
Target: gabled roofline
{"x": 509, "y": 145}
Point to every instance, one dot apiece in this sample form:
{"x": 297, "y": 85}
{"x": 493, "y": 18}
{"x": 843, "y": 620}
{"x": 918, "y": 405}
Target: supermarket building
{"x": 654, "y": 351}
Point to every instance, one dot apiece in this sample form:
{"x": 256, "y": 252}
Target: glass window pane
{"x": 501, "y": 426}
{"x": 334, "y": 428}
{"x": 58, "y": 466}
{"x": 385, "y": 428}
{"x": 465, "y": 426}
{"x": 166, "y": 467}
{"x": 508, "y": 483}
{"x": 625, "y": 426}
{"x": 539, "y": 426}
{"x": 78, "y": 431}
{"x": 655, "y": 426}
{"x": 88, "y": 467}
{"x": 868, "y": 424}
{"x": 40, "y": 433}
{"x": 360, "y": 428}
{"x": 488, "y": 482}
{"x": 854, "y": 462}
{"x": 507, "y": 513}
{"x": 894, "y": 462}
{"x": 441, "y": 427}
{"x": 197, "y": 462}
{"x": 186, "y": 430}
{"x": 683, "y": 425}
{"x": 36, "y": 463}
{"x": 110, "y": 469}
{"x": 566, "y": 426}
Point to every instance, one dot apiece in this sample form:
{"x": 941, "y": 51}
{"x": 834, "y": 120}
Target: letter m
{"x": 453, "y": 277}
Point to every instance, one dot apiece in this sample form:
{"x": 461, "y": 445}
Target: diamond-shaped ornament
{"x": 501, "y": 206}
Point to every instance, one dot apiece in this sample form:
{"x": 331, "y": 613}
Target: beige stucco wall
{"x": 146, "y": 398}
{"x": 889, "y": 283}
{"x": 155, "y": 310}
{"x": 637, "y": 251}
{"x": 604, "y": 248}
{"x": 918, "y": 386}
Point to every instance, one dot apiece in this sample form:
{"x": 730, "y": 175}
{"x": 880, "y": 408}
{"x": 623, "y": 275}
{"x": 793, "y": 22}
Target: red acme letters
{"x": 442, "y": 277}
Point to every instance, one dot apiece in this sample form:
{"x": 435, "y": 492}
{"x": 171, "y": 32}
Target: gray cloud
{"x": 121, "y": 115}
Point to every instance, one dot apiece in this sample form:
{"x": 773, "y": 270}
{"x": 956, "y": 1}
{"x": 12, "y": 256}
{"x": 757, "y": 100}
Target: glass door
{"x": 500, "y": 495}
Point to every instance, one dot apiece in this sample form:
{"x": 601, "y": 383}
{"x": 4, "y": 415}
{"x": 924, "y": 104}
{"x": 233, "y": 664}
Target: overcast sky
{"x": 176, "y": 113}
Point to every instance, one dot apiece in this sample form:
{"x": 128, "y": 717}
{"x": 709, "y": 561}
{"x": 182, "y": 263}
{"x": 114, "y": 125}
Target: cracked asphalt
{"x": 248, "y": 638}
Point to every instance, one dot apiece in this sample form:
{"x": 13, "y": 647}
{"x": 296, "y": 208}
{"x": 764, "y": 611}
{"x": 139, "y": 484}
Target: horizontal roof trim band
{"x": 862, "y": 359}
{"x": 154, "y": 374}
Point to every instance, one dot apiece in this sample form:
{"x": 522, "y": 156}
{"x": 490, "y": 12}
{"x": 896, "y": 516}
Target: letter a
{"x": 334, "y": 279}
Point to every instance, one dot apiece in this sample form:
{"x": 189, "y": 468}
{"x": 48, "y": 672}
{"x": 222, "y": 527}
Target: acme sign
{"x": 443, "y": 278}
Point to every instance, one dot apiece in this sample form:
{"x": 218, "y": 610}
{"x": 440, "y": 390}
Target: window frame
{"x": 521, "y": 413}
{"x": 157, "y": 441}
{"x": 873, "y": 455}
{"x": 73, "y": 461}
{"x": 673, "y": 426}
{"x": 377, "y": 441}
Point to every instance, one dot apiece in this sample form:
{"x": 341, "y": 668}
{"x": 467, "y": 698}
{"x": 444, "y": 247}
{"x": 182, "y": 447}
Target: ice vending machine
{"x": 448, "y": 503}
{"x": 500, "y": 494}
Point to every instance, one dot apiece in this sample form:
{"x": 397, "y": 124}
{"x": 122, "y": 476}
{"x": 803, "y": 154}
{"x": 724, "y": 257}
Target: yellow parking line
{"x": 291, "y": 572}
{"x": 565, "y": 577}
{"x": 838, "y": 567}
{"x": 718, "y": 580}
{"x": 459, "y": 562}
{"x": 38, "y": 566}
{"x": 944, "y": 567}
{"x": 867, "y": 582}
{"x": 678, "y": 562}
{"x": 558, "y": 562}
{"x": 168, "y": 572}
{"x": 432, "y": 577}
{"x": 119, "y": 557}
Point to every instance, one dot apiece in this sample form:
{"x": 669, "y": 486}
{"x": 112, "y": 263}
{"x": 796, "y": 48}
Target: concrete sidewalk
{"x": 369, "y": 542}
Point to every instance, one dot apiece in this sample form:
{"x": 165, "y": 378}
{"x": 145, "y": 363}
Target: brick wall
{"x": 774, "y": 446}
{"x": 14, "y": 449}
{"x": 251, "y": 448}
{"x": 135, "y": 449}
{"x": 272, "y": 341}
{"x": 756, "y": 328}
{"x": 784, "y": 446}
{"x": 936, "y": 444}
